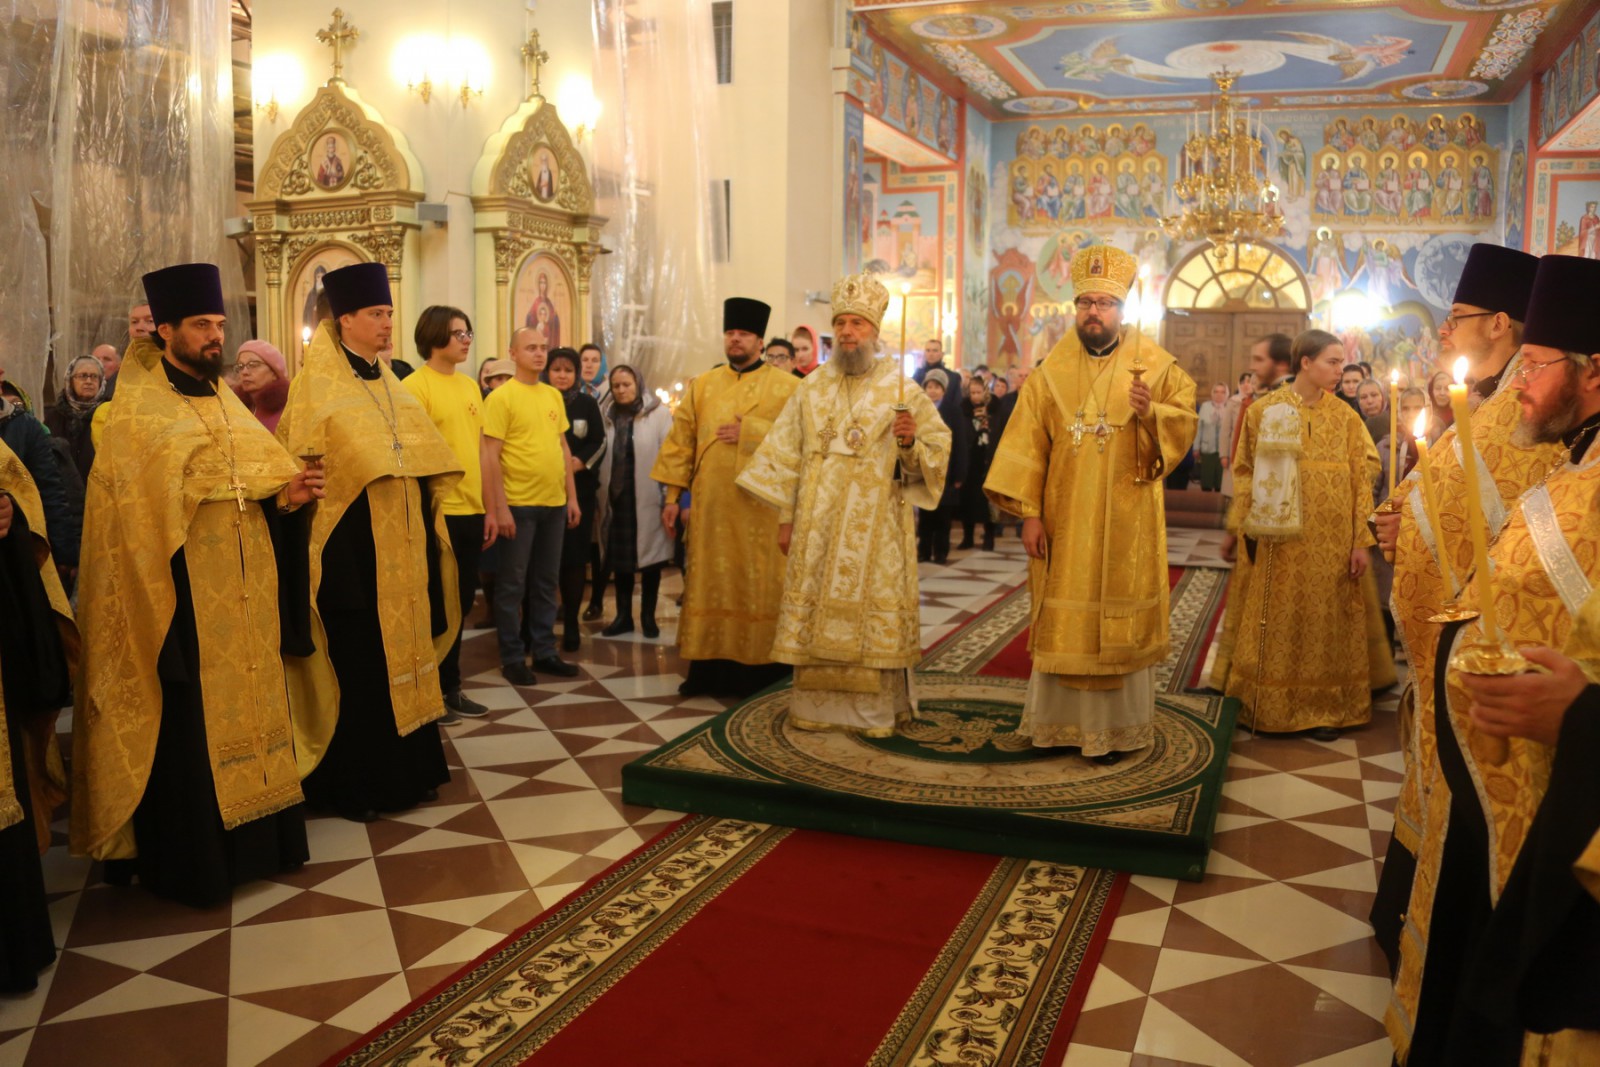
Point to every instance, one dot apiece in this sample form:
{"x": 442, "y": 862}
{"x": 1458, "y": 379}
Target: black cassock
{"x": 369, "y": 767}
{"x": 34, "y": 670}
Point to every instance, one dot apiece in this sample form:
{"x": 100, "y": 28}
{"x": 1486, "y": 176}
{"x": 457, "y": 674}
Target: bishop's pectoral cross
{"x": 533, "y": 57}
{"x": 1078, "y": 430}
{"x": 827, "y": 434}
{"x": 338, "y": 35}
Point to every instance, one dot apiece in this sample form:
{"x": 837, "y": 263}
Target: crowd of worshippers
{"x": 269, "y": 603}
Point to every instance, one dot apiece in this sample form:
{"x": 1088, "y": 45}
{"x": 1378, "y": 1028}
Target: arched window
{"x": 1238, "y": 277}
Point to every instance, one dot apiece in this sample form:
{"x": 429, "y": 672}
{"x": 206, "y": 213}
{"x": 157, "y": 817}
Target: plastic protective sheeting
{"x": 116, "y": 158}
{"x": 655, "y": 77}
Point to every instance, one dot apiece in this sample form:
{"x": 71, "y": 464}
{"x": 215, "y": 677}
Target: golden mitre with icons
{"x": 1103, "y": 269}
{"x": 860, "y": 294}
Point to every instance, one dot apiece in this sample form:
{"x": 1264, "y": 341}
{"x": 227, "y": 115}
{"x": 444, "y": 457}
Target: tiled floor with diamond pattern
{"x": 1268, "y": 961}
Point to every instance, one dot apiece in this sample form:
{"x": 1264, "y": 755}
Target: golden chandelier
{"x": 1222, "y": 190}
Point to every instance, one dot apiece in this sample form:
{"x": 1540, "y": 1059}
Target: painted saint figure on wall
{"x": 1330, "y": 187}
{"x": 1291, "y": 165}
{"x": 1589, "y": 232}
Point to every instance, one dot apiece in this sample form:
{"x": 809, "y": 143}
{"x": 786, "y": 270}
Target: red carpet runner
{"x": 729, "y": 942}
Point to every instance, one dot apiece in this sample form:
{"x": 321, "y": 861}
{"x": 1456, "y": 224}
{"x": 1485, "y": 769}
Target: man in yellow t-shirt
{"x": 525, "y": 452}
{"x": 453, "y": 402}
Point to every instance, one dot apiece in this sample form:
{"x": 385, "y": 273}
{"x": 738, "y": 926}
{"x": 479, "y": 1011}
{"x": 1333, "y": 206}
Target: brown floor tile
{"x": 109, "y": 913}
{"x": 317, "y": 1000}
{"x": 1281, "y": 850}
{"x": 1354, "y": 957}
{"x": 1287, "y": 753}
{"x": 1134, "y": 964}
{"x": 476, "y": 820}
{"x": 1192, "y": 935}
{"x": 448, "y": 874}
{"x": 532, "y": 788}
{"x": 386, "y": 834}
{"x": 1135, "y": 900}
{"x": 1213, "y": 885}
{"x": 423, "y": 979}
{"x": 579, "y": 870}
{"x": 1350, "y": 787}
{"x": 185, "y": 1035}
{"x": 514, "y": 916}
{"x": 1357, "y": 902}
{"x": 80, "y": 978}
{"x": 459, "y": 789}
{"x": 1114, "y": 1026}
{"x": 579, "y": 843}
{"x": 1313, "y": 1025}
{"x": 575, "y": 716}
{"x": 321, "y": 1044}
{"x": 416, "y": 936}
{"x": 606, "y": 769}
{"x": 315, "y": 873}
{"x": 1355, "y": 815}
{"x": 307, "y": 905}
{"x": 206, "y": 966}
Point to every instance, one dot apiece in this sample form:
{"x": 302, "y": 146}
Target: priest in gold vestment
{"x": 36, "y": 639}
{"x": 183, "y": 764}
{"x": 1477, "y": 980}
{"x": 1302, "y": 477}
{"x": 844, "y": 468}
{"x": 1484, "y": 326}
{"x": 734, "y": 569}
{"x": 380, "y": 564}
{"x": 1081, "y": 462}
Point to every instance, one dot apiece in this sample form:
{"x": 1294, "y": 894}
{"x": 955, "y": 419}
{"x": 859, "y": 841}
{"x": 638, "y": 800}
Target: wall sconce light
{"x": 424, "y": 64}
{"x": 275, "y": 81}
{"x": 578, "y": 105}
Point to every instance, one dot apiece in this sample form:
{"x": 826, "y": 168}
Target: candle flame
{"x": 1419, "y": 429}
{"x": 305, "y": 334}
{"x": 1461, "y": 370}
{"x": 1394, "y": 377}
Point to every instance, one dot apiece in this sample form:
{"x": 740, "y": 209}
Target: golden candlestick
{"x": 1394, "y": 429}
{"x": 1451, "y": 611}
{"x": 900, "y": 376}
{"x": 1137, "y": 368}
{"x": 1489, "y": 654}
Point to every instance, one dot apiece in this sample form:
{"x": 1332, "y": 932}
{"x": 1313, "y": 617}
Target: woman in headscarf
{"x": 807, "y": 351}
{"x": 933, "y": 527}
{"x": 592, "y": 371}
{"x": 263, "y": 381}
{"x": 69, "y": 418}
{"x": 586, "y": 440}
{"x": 493, "y": 374}
{"x": 1440, "y": 414}
{"x": 974, "y": 506}
{"x": 634, "y": 541}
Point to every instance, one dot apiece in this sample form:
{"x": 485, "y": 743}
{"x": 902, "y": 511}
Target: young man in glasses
{"x": 1093, "y": 431}
{"x": 453, "y": 402}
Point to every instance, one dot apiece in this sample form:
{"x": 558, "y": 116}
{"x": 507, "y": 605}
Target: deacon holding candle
{"x": 1488, "y": 831}
{"x": 1485, "y": 326}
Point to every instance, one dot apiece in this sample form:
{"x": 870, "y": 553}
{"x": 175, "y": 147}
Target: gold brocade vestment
{"x": 333, "y": 412}
{"x": 1545, "y": 563}
{"x": 1300, "y": 597}
{"x": 165, "y": 486}
{"x": 46, "y": 776}
{"x": 1100, "y": 595}
{"x": 734, "y": 581}
{"x": 850, "y": 603}
{"x": 1505, "y": 471}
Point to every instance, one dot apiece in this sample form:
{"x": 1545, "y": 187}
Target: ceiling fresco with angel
{"x": 1014, "y": 59}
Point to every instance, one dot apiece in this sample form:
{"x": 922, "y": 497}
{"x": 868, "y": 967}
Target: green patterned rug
{"x": 962, "y": 777}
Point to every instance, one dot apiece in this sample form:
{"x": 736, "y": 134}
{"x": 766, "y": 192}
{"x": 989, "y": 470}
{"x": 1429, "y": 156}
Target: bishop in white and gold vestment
{"x": 1081, "y": 462}
{"x": 844, "y": 469}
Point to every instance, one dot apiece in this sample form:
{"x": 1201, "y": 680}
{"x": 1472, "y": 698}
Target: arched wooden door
{"x": 1220, "y": 302}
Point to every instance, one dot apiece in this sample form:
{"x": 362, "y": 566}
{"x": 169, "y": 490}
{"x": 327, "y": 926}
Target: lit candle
{"x": 1394, "y": 426}
{"x": 1430, "y": 500}
{"x": 905, "y": 308}
{"x": 1479, "y": 529}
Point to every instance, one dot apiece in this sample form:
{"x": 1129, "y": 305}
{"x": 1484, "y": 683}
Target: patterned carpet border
{"x": 1004, "y": 990}
{"x": 962, "y": 776}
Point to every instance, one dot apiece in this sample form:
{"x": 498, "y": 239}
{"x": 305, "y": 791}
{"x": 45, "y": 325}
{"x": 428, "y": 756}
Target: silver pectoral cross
{"x": 399, "y": 454}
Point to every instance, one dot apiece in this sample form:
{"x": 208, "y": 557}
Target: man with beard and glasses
{"x": 1485, "y": 325}
{"x": 1498, "y": 957}
{"x": 844, "y": 468}
{"x": 385, "y": 607}
{"x": 1081, "y": 462}
{"x": 734, "y": 578}
{"x": 183, "y": 766}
